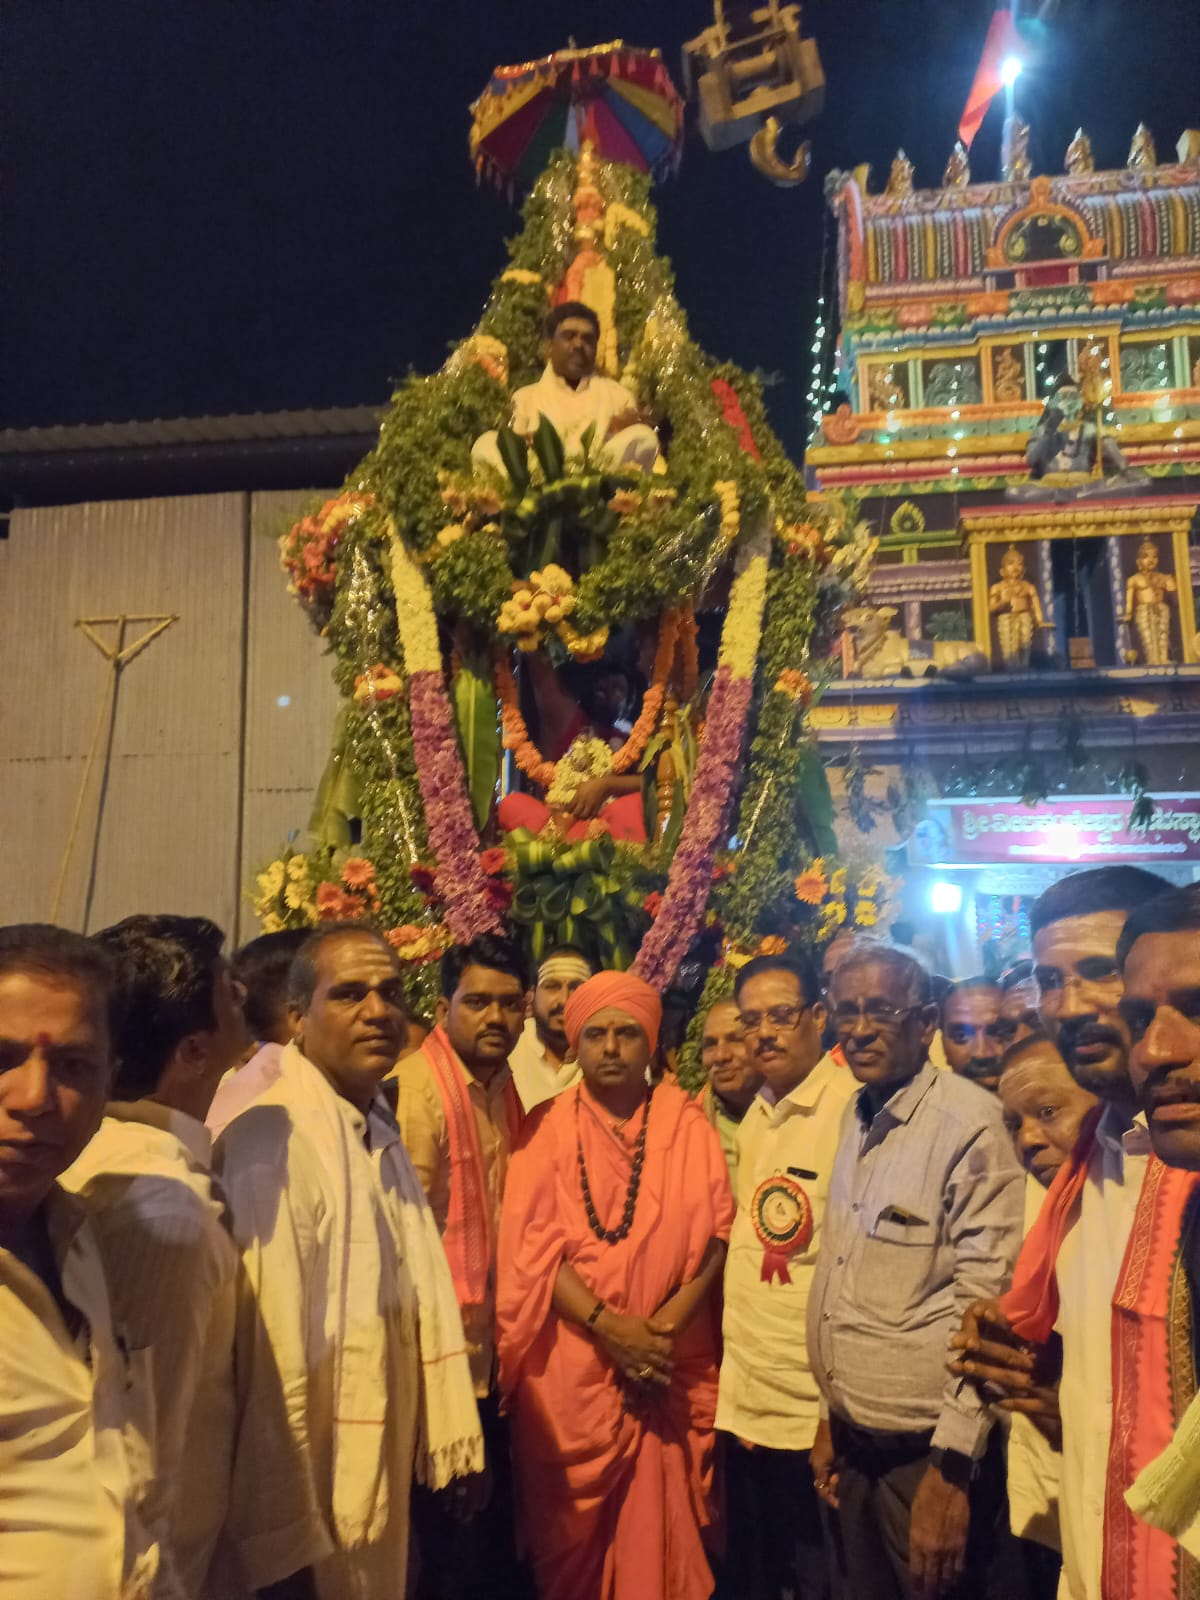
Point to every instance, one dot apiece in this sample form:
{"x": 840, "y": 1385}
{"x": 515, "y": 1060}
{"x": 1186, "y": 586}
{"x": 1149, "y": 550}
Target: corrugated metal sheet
{"x": 193, "y": 714}
{"x": 291, "y": 701}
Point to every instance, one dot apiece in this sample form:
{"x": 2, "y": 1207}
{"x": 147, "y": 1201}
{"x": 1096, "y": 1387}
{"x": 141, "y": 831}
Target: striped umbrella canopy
{"x": 615, "y": 95}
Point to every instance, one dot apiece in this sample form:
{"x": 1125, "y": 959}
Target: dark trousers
{"x": 776, "y": 1542}
{"x": 475, "y": 1560}
{"x": 878, "y": 1477}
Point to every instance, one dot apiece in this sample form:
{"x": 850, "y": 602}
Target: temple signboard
{"x": 985, "y": 832}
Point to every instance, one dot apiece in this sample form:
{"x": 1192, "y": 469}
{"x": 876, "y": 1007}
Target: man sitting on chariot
{"x": 572, "y": 396}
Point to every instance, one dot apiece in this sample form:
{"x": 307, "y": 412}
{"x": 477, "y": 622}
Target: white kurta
{"x": 172, "y": 1272}
{"x": 74, "y": 1432}
{"x": 1089, "y": 1262}
{"x": 537, "y": 1076}
{"x": 298, "y": 1336}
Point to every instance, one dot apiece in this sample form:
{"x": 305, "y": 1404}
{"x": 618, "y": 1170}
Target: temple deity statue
{"x": 883, "y": 391}
{"x": 1147, "y": 608}
{"x": 1017, "y": 607}
{"x": 1079, "y": 154}
{"x": 1008, "y": 377}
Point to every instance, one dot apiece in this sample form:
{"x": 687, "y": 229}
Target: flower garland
{"x": 691, "y": 874}
{"x": 530, "y": 759}
{"x": 461, "y": 881}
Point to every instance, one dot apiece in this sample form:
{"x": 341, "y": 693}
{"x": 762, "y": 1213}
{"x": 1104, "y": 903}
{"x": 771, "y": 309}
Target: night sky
{"x": 267, "y": 204}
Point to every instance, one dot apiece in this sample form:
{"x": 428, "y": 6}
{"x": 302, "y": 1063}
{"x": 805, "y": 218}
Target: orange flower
{"x": 772, "y": 945}
{"x": 795, "y": 685}
{"x": 812, "y": 886}
{"x": 335, "y": 905}
{"x": 358, "y": 873}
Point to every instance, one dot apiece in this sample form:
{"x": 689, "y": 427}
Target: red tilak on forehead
{"x": 42, "y": 1040}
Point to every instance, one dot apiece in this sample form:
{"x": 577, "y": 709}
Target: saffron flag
{"x": 1002, "y": 41}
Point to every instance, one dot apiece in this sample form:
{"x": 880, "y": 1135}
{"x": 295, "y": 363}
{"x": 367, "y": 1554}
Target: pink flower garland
{"x": 691, "y": 874}
{"x": 462, "y": 884}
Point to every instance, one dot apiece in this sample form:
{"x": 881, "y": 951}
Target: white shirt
{"x": 1089, "y": 1262}
{"x": 537, "y": 1077}
{"x": 285, "y": 1207}
{"x": 73, "y": 1446}
{"x": 1034, "y": 1466}
{"x": 171, "y": 1268}
{"x": 768, "y": 1395}
{"x": 572, "y": 410}
{"x": 241, "y": 1086}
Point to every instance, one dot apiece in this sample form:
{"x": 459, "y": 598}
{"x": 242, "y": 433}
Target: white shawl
{"x": 449, "y": 1442}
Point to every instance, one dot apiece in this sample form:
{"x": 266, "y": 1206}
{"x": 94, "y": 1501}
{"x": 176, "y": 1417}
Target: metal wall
{"x": 176, "y": 787}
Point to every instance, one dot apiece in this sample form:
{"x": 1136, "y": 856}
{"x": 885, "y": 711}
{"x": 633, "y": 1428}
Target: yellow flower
{"x": 811, "y": 885}
{"x": 865, "y": 914}
{"x": 295, "y": 895}
{"x": 297, "y": 867}
{"x": 520, "y": 275}
{"x": 743, "y": 621}
{"x": 837, "y": 883}
{"x": 450, "y": 533}
{"x": 416, "y": 623}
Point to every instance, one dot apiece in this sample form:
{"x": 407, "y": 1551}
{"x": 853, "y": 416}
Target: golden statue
{"x": 884, "y": 393}
{"x": 900, "y": 179}
{"x": 1142, "y": 154}
{"x": 1014, "y": 150}
{"x": 1017, "y": 607}
{"x": 1146, "y": 606}
{"x": 1079, "y": 154}
{"x": 1196, "y": 373}
{"x": 958, "y": 169}
{"x": 1008, "y": 377}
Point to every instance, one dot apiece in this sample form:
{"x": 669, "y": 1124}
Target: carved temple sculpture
{"x": 1017, "y": 608}
{"x": 1147, "y": 607}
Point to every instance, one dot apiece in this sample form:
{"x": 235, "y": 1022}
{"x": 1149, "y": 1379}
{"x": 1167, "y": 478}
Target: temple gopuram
{"x": 1019, "y": 415}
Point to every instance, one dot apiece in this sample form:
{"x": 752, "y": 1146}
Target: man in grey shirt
{"x": 924, "y": 1215}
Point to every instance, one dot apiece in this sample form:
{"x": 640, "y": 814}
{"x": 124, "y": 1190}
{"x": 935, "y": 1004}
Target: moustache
{"x": 976, "y": 1067}
{"x": 1089, "y": 1030}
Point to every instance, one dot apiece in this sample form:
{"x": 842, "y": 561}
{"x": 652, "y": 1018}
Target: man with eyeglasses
{"x": 924, "y": 1214}
{"x": 768, "y": 1401}
{"x": 1060, "y": 1306}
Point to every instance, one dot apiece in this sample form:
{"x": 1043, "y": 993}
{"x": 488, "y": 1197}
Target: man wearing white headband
{"x": 539, "y": 1063}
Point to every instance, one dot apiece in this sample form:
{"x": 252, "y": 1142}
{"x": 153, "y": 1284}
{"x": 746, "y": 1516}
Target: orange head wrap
{"x": 620, "y": 990}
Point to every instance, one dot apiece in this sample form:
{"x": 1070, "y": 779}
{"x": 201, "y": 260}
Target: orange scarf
{"x": 469, "y": 1239}
{"x": 1153, "y": 1382}
{"x": 1031, "y": 1305}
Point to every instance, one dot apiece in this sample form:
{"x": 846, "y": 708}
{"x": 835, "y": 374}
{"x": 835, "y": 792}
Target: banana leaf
{"x": 337, "y": 798}
{"x": 515, "y": 458}
{"x": 477, "y": 717}
{"x": 814, "y": 798}
{"x": 548, "y": 448}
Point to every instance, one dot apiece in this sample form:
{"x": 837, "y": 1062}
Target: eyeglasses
{"x": 782, "y": 1017}
{"x": 876, "y": 1014}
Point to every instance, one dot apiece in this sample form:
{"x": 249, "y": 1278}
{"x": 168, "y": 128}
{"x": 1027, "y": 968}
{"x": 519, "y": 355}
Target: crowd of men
{"x": 304, "y": 1300}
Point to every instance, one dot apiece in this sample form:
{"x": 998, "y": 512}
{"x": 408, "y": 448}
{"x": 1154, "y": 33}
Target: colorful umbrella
{"x": 618, "y": 97}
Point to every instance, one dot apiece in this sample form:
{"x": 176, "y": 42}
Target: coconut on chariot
{"x": 486, "y": 577}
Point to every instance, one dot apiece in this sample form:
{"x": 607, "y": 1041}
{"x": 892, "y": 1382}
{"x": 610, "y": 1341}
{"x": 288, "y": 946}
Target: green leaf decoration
{"x": 586, "y": 440}
{"x": 515, "y": 458}
{"x": 817, "y": 801}
{"x": 548, "y": 448}
{"x": 337, "y": 797}
{"x": 479, "y": 735}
